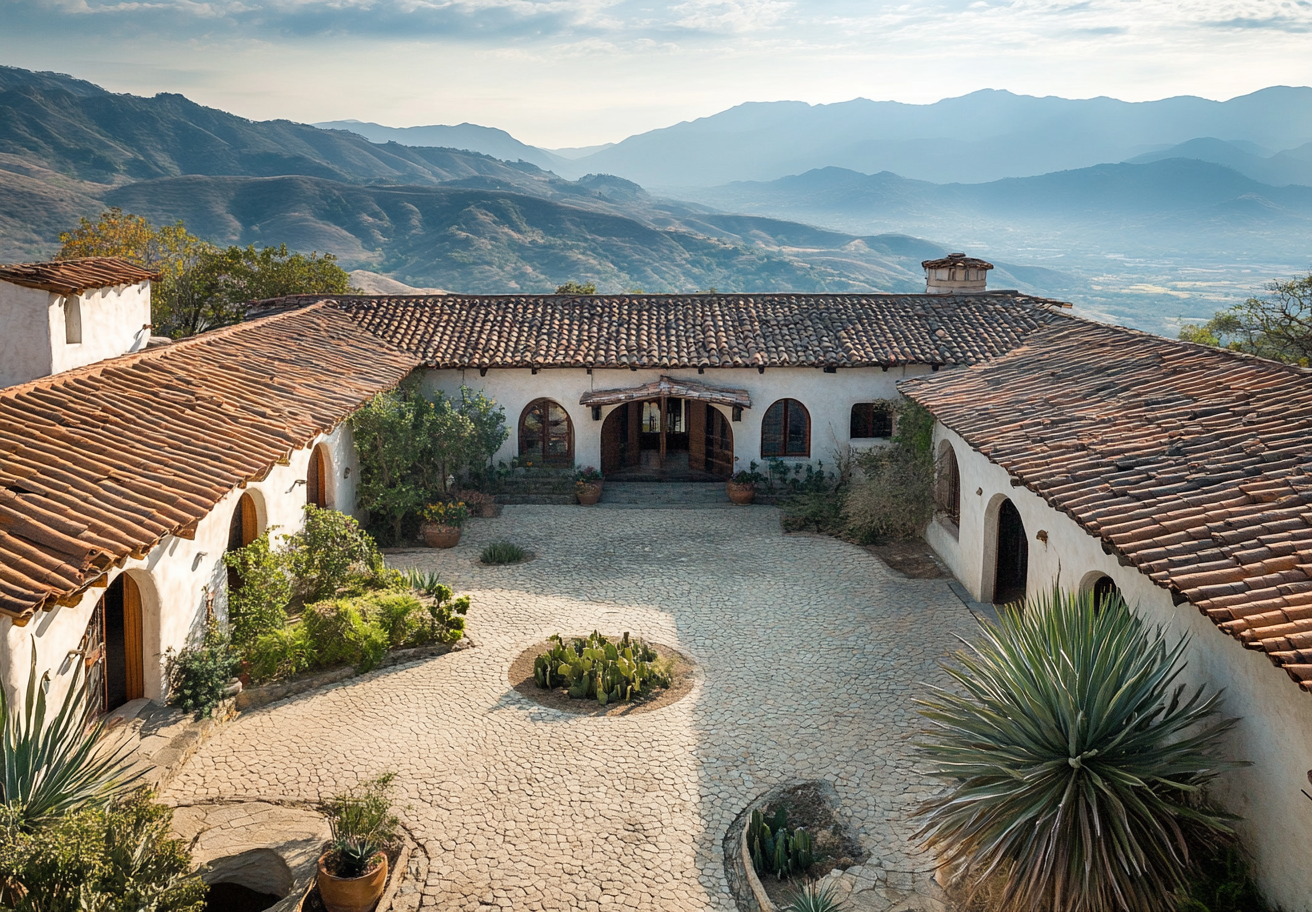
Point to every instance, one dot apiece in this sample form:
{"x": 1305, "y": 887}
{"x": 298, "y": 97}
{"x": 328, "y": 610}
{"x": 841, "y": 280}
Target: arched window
{"x": 947, "y": 490}
{"x": 546, "y": 434}
{"x": 786, "y": 429}
{"x": 1105, "y": 592}
{"x": 871, "y": 420}
{"x": 72, "y": 320}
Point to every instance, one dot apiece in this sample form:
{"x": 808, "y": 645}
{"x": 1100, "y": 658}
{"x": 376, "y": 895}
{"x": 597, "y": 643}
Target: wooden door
{"x": 92, "y": 648}
{"x": 614, "y": 440}
{"x": 316, "y": 480}
{"x": 719, "y": 443}
{"x": 696, "y": 435}
{"x": 122, "y": 671}
{"x": 633, "y": 453}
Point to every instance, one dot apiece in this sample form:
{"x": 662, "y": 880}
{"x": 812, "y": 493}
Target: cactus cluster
{"x": 594, "y": 667}
{"x": 777, "y": 850}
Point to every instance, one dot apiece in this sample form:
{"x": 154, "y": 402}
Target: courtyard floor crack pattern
{"x": 810, "y": 653}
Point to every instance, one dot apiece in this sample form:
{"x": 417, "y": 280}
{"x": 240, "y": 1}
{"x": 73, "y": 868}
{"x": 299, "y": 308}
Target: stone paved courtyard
{"x": 809, "y": 651}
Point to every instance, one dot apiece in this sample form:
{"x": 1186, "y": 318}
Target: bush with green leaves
{"x": 1073, "y": 760}
{"x": 813, "y": 898}
{"x": 259, "y": 603}
{"x": 501, "y": 552}
{"x": 400, "y": 615}
{"x": 56, "y": 765}
{"x": 592, "y": 666}
{"x": 115, "y": 858}
{"x": 280, "y": 654}
{"x": 363, "y": 824}
{"x": 1220, "y": 880}
{"x": 893, "y": 497}
{"x": 330, "y": 553}
{"x": 198, "y": 675}
{"x": 775, "y": 848}
{"x": 339, "y": 632}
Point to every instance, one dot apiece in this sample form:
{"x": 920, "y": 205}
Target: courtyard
{"x": 809, "y": 653}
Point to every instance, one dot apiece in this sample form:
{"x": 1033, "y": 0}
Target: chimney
{"x": 956, "y": 273}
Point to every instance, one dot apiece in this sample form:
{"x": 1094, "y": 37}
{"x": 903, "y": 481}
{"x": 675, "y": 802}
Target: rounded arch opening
{"x": 246, "y": 525}
{"x": 319, "y": 477}
{"x": 73, "y": 320}
{"x": 113, "y": 646}
{"x": 786, "y": 430}
{"x": 947, "y": 483}
{"x": 546, "y": 434}
{"x": 1006, "y": 553}
{"x": 1102, "y": 588}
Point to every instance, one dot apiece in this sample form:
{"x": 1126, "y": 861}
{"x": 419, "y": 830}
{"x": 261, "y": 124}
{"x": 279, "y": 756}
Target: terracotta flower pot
{"x": 588, "y": 492}
{"x": 436, "y": 536}
{"x": 351, "y": 894}
{"x": 740, "y": 493}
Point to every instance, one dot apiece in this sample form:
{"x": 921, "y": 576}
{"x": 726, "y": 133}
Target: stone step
{"x": 659, "y": 494}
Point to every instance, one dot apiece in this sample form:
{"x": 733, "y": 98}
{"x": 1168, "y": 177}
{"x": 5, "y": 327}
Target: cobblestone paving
{"x": 809, "y": 651}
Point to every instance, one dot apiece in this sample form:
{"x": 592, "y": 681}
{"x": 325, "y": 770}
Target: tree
{"x": 201, "y": 286}
{"x": 449, "y": 442}
{"x": 577, "y": 288}
{"x": 389, "y": 439}
{"x": 489, "y": 424}
{"x": 1278, "y": 326}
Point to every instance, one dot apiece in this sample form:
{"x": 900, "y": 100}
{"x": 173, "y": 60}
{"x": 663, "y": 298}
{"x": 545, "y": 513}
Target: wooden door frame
{"x": 134, "y": 651}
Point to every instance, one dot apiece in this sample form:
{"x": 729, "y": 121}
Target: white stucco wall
{"x": 828, "y": 398}
{"x": 25, "y": 347}
{"x": 1275, "y": 728}
{"x": 34, "y": 344}
{"x": 177, "y": 576}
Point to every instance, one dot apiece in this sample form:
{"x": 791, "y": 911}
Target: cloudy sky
{"x": 576, "y": 72}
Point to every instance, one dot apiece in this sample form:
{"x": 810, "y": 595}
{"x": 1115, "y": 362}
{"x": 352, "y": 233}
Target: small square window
{"x": 871, "y": 421}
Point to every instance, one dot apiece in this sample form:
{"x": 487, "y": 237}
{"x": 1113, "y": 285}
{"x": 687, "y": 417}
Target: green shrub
{"x": 259, "y": 603}
{"x": 58, "y": 765}
{"x": 811, "y": 898}
{"x": 1072, "y": 760}
{"x": 502, "y": 552}
{"x": 893, "y": 501}
{"x": 280, "y": 654}
{"x": 399, "y": 615}
{"x": 329, "y": 554}
{"x": 198, "y": 675}
{"x": 340, "y": 633}
{"x": 821, "y": 511}
{"x": 776, "y": 849}
{"x": 118, "y": 858}
{"x": 593, "y": 666}
{"x": 1220, "y": 881}
{"x": 429, "y": 583}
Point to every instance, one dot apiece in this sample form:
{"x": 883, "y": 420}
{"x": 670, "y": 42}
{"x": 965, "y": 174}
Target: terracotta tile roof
{"x": 1192, "y": 464}
{"x": 669, "y": 331}
{"x": 956, "y": 259}
{"x": 100, "y": 463}
{"x": 669, "y": 386}
{"x": 67, "y": 277}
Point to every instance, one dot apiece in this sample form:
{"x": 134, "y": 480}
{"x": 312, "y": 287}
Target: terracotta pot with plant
{"x": 587, "y": 485}
{"x": 741, "y": 487}
{"x": 353, "y": 871}
{"x": 442, "y": 523}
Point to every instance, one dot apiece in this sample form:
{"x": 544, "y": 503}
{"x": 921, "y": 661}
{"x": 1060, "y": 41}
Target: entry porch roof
{"x": 669, "y": 386}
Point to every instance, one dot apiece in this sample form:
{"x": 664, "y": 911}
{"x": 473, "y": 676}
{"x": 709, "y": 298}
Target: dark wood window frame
{"x": 870, "y": 421}
{"x": 788, "y": 409}
{"x": 948, "y": 489}
{"x": 544, "y": 434}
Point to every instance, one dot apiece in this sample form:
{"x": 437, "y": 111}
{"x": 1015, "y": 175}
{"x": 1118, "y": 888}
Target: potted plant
{"x": 742, "y": 485}
{"x": 353, "y": 871}
{"x": 587, "y": 485}
{"x": 442, "y": 522}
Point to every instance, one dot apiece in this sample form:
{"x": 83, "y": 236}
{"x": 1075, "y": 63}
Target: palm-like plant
{"x": 52, "y": 767}
{"x": 1074, "y": 760}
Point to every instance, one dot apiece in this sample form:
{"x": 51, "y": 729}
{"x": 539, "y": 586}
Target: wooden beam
{"x": 188, "y": 531}
{"x": 663, "y": 418}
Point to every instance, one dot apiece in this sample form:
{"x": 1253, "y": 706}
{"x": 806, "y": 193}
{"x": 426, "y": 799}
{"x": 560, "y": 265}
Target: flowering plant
{"x": 451, "y": 515}
{"x": 748, "y": 476}
{"x": 587, "y": 475}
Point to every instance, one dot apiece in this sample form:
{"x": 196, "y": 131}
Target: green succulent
{"x": 1072, "y": 759}
{"x": 594, "y": 667}
{"x": 811, "y": 898}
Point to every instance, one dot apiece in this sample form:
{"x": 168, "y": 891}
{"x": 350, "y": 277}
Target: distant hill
{"x": 467, "y": 136}
{"x": 1292, "y": 166}
{"x": 1152, "y": 205}
{"x": 979, "y": 137}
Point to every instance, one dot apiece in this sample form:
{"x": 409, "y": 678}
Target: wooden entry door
{"x": 620, "y": 438}
{"x": 1011, "y": 574}
{"x": 719, "y": 443}
{"x": 112, "y": 648}
{"x": 316, "y": 480}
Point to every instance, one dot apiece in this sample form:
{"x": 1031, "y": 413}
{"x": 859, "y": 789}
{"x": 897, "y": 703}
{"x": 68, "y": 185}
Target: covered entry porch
{"x": 668, "y": 430}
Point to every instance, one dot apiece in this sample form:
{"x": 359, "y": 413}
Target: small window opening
{"x": 72, "y": 320}
{"x": 870, "y": 421}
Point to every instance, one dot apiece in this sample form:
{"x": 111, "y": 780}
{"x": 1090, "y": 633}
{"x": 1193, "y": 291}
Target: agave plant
{"x": 813, "y": 898}
{"x": 50, "y": 767}
{"x": 1073, "y": 760}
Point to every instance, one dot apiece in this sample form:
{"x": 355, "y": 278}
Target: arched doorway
{"x": 546, "y": 435}
{"x": 112, "y": 648}
{"x": 1011, "y": 571}
{"x": 668, "y": 439}
{"x": 244, "y": 529}
{"x": 1105, "y": 592}
{"x": 316, "y": 478}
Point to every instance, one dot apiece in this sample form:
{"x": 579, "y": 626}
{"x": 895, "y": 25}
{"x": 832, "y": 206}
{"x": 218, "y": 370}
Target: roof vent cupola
{"x": 956, "y": 273}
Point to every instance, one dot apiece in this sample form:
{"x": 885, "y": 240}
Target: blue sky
{"x": 576, "y": 72}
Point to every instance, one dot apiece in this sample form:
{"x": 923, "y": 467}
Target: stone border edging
{"x": 255, "y": 697}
